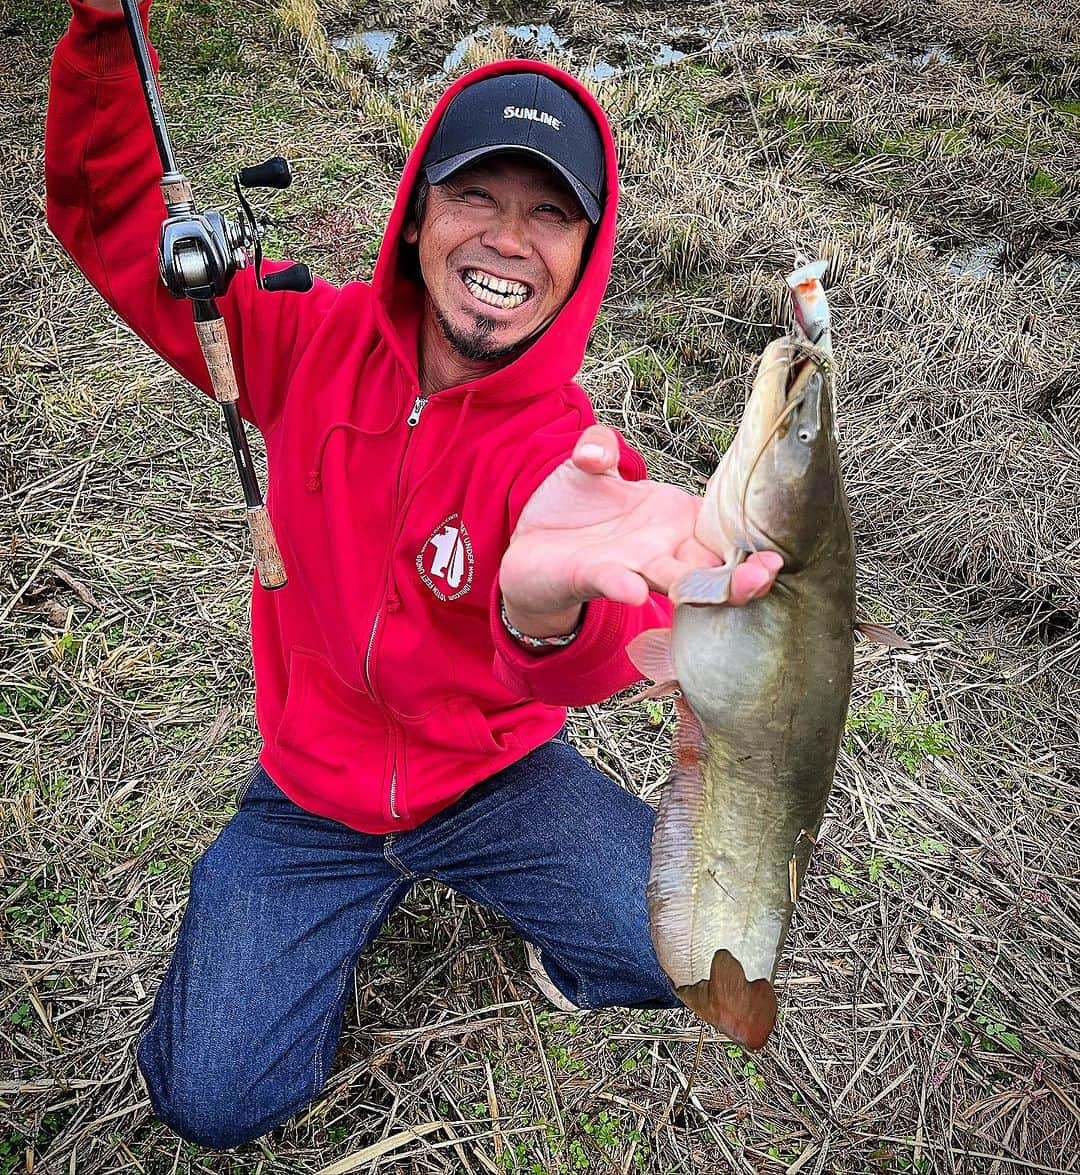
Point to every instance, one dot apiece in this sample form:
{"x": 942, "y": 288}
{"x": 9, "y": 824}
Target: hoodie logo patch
{"x": 445, "y": 562}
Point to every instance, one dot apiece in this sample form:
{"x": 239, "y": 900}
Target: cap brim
{"x": 445, "y": 168}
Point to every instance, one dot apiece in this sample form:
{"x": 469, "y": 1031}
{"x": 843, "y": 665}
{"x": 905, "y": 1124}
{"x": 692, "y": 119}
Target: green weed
{"x": 826, "y": 142}
{"x": 14, "y": 1146}
{"x": 646, "y": 368}
{"x": 40, "y": 20}
{"x": 22, "y": 1016}
{"x": 1043, "y": 185}
{"x": 895, "y": 1158}
{"x": 41, "y": 909}
{"x": 12, "y": 1152}
{"x": 673, "y": 404}
{"x": 194, "y": 36}
{"x": 566, "y": 1061}
{"x": 720, "y": 438}
{"x": 654, "y": 710}
{"x": 883, "y": 872}
{"x": 911, "y": 741}
{"x": 341, "y": 165}
{"x": 593, "y": 1142}
{"x": 997, "y": 1036}
{"x": 748, "y": 1067}
{"x": 913, "y": 143}
{"x": 843, "y": 887}
{"x": 22, "y": 700}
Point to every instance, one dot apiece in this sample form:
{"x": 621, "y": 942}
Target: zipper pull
{"x": 417, "y": 408}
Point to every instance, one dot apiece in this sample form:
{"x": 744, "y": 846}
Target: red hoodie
{"x": 385, "y": 684}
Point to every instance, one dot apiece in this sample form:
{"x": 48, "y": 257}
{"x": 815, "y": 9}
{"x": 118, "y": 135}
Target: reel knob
{"x": 296, "y": 278}
{"x": 274, "y": 173}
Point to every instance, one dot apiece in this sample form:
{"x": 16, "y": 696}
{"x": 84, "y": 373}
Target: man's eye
{"x": 552, "y": 210}
{"x": 475, "y": 194}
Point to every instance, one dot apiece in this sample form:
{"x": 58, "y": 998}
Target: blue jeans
{"x": 248, "y": 1016}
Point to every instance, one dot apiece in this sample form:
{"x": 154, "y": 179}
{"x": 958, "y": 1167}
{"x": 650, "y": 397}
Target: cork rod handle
{"x": 268, "y": 559}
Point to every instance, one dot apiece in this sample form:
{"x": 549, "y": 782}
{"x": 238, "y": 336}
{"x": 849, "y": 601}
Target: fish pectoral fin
{"x": 882, "y": 634}
{"x": 650, "y": 654}
{"x": 742, "y": 1010}
{"x": 662, "y": 689}
{"x": 704, "y": 585}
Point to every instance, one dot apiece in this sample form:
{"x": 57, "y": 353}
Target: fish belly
{"x": 765, "y": 693}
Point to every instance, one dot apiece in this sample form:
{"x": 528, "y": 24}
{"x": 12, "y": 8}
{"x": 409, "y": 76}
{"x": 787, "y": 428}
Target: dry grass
{"x": 930, "y": 986}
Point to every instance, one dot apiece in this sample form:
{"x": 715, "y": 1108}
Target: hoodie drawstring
{"x": 313, "y": 481}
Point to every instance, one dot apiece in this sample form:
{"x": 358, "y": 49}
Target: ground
{"x": 928, "y": 993}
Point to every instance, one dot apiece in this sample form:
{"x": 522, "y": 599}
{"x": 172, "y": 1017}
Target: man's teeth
{"x": 495, "y": 291}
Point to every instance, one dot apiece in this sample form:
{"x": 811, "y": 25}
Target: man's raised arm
{"x": 104, "y": 205}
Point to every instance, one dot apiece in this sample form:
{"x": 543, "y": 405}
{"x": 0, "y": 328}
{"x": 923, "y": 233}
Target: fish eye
{"x": 804, "y": 435}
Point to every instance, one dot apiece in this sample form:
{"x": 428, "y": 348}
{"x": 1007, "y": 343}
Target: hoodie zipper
{"x": 419, "y": 404}
{"x": 393, "y": 789}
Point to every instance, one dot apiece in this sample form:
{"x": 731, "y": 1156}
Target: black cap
{"x": 527, "y": 112}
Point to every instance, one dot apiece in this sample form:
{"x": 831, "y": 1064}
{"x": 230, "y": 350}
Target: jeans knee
{"x": 211, "y": 1109}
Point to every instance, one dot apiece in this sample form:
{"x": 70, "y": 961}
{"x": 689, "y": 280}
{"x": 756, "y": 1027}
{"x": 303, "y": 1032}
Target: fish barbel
{"x": 765, "y": 689}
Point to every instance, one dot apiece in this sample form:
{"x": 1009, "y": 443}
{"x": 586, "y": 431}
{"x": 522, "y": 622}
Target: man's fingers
{"x": 619, "y": 583}
{"x": 665, "y": 570}
{"x": 753, "y": 578}
{"x": 597, "y": 450}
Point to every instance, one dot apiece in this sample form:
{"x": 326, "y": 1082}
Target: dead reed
{"x": 929, "y": 992}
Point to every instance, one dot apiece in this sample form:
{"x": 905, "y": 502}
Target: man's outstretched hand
{"x": 586, "y": 532}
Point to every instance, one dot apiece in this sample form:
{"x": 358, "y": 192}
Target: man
{"x": 468, "y": 554}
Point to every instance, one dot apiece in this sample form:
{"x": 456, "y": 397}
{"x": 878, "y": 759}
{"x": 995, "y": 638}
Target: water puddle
{"x": 543, "y": 36}
{"x": 457, "y": 55}
{"x": 379, "y": 43}
{"x": 709, "y": 39}
{"x": 1066, "y": 271}
{"x": 666, "y": 55}
{"x": 934, "y": 55}
{"x": 600, "y": 71}
{"x": 978, "y": 260}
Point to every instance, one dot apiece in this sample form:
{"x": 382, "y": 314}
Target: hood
{"x": 556, "y": 356}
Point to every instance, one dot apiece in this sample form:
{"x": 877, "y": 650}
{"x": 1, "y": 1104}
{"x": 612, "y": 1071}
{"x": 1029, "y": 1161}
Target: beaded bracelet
{"x": 536, "y": 642}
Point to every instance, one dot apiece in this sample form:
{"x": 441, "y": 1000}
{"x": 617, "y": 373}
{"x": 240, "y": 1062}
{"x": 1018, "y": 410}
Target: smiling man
{"x": 517, "y": 165}
{"x": 469, "y": 553}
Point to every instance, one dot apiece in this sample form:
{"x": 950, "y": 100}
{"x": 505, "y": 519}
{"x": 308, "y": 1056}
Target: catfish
{"x": 764, "y": 689}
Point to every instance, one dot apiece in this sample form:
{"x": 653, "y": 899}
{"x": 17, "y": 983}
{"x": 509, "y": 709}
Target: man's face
{"x": 500, "y": 246}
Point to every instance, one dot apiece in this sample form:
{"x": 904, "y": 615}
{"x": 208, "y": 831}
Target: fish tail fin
{"x": 742, "y": 1010}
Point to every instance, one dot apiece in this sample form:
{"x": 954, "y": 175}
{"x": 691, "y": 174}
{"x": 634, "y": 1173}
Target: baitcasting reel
{"x": 200, "y": 252}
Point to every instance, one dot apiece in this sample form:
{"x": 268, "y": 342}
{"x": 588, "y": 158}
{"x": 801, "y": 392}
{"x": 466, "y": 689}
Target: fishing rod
{"x": 198, "y": 256}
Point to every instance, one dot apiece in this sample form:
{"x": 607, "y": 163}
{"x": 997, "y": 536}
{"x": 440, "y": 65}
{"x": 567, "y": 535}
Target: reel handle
{"x": 274, "y": 173}
{"x": 296, "y": 278}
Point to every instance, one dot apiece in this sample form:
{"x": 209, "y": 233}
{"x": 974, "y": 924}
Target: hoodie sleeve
{"x": 595, "y": 665}
{"x": 104, "y": 205}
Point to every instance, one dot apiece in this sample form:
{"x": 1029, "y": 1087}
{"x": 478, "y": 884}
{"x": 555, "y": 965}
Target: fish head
{"x": 778, "y": 485}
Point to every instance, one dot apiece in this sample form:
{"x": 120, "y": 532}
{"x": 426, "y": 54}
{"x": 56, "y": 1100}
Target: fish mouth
{"x": 803, "y": 393}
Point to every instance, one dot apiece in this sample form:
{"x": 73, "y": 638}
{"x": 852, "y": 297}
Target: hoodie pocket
{"x": 327, "y": 725}
{"x": 457, "y": 727}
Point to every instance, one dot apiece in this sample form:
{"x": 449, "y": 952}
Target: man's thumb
{"x": 597, "y": 450}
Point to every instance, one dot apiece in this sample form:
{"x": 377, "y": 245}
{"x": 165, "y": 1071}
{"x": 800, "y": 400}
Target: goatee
{"x": 476, "y": 344}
